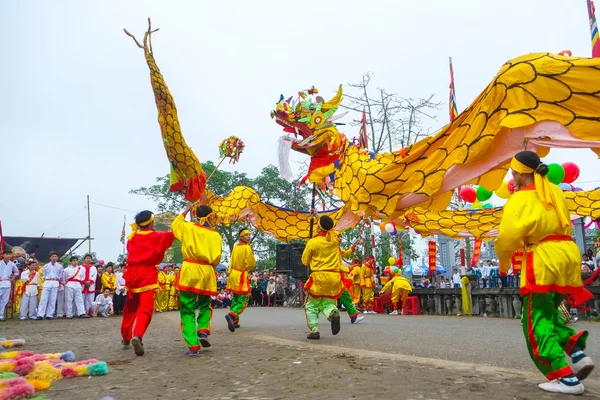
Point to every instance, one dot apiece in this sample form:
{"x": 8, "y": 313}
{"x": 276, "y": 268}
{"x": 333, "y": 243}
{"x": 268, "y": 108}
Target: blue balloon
{"x": 565, "y": 187}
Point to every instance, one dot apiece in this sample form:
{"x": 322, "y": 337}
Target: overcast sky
{"x": 78, "y": 114}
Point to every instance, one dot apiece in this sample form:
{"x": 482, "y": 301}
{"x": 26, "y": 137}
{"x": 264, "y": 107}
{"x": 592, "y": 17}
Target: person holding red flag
{"x": 146, "y": 249}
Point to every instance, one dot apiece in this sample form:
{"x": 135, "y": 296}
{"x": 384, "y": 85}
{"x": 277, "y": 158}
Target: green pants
{"x": 188, "y": 302}
{"x": 315, "y": 306}
{"x": 239, "y": 302}
{"x": 547, "y": 336}
{"x": 348, "y": 304}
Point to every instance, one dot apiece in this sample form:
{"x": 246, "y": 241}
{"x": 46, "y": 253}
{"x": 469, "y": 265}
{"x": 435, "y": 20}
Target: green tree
{"x": 269, "y": 186}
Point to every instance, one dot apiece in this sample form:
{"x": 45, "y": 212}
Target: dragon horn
{"x": 334, "y": 102}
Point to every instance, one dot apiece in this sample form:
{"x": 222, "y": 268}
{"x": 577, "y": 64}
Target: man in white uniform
{"x": 89, "y": 284}
{"x": 31, "y": 282}
{"x": 53, "y": 275}
{"x": 8, "y": 273}
{"x": 61, "y": 296}
{"x": 103, "y": 304}
{"x": 74, "y": 275}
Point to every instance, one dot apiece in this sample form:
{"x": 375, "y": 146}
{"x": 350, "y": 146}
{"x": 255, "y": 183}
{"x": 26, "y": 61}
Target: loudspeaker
{"x": 282, "y": 257}
{"x": 299, "y": 270}
{"x": 288, "y": 258}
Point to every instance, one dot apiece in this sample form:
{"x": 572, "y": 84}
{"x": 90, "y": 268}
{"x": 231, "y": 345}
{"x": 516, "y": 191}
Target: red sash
{"x": 31, "y": 278}
{"x": 72, "y": 279}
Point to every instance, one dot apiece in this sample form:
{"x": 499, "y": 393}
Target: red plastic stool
{"x": 411, "y": 306}
{"x": 378, "y": 305}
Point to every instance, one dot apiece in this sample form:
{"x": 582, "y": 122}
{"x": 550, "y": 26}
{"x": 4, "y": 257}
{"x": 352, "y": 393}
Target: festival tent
{"x": 41, "y": 246}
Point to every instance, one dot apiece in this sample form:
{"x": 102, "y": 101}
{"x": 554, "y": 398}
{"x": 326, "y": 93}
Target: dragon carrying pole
{"x": 312, "y": 207}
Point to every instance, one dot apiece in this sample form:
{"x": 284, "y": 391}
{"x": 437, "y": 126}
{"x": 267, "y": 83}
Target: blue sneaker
{"x": 50, "y": 318}
{"x": 203, "y": 339}
{"x": 192, "y": 353}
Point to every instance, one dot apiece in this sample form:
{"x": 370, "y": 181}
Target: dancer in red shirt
{"x": 146, "y": 249}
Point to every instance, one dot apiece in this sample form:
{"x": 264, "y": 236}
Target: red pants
{"x": 138, "y": 308}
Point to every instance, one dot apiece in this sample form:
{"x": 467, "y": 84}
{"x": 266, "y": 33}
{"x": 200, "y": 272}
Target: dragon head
{"x": 309, "y": 120}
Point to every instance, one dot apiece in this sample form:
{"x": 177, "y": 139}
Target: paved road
{"x": 384, "y": 357}
{"x": 486, "y": 341}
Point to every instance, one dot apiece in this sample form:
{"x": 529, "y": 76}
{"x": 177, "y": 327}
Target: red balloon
{"x": 468, "y": 194}
{"x": 399, "y": 261}
{"x": 571, "y": 172}
{"x": 511, "y": 186}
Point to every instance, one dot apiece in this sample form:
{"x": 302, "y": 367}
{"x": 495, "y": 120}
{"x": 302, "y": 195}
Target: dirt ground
{"x": 252, "y": 364}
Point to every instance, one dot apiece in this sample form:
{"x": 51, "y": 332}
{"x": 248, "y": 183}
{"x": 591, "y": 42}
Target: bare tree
{"x": 393, "y": 121}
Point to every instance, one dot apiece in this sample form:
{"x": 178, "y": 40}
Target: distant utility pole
{"x": 89, "y": 226}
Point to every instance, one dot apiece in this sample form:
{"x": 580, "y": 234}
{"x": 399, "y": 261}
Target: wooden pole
{"x": 312, "y": 207}
{"x": 89, "y": 226}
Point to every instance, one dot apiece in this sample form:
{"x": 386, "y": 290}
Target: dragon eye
{"x": 318, "y": 120}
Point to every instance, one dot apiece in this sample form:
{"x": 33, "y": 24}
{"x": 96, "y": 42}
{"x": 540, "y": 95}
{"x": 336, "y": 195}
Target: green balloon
{"x": 556, "y": 173}
{"x": 488, "y": 206}
{"x": 483, "y": 194}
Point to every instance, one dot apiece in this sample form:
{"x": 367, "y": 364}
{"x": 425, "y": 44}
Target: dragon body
{"x": 535, "y": 101}
{"x": 186, "y": 171}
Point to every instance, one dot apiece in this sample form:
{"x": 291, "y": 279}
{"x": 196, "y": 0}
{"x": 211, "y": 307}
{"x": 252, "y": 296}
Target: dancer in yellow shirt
{"x": 242, "y": 262}
{"x": 367, "y": 283}
{"x": 356, "y": 275}
{"x": 401, "y": 288}
{"x": 537, "y": 217}
{"x": 172, "y": 295}
{"x": 201, "y": 247}
{"x": 324, "y": 285}
{"x": 161, "y": 299}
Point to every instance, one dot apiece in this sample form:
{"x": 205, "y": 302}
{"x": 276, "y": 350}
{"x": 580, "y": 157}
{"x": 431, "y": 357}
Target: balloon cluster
{"x": 390, "y": 228}
{"x": 476, "y": 196}
{"x": 562, "y": 175}
{"x": 394, "y": 267}
{"x": 232, "y": 148}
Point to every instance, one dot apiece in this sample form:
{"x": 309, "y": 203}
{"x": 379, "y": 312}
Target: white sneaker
{"x": 358, "y": 319}
{"x": 556, "y": 386}
{"x": 394, "y": 313}
{"x": 23, "y": 318}
{"x": 583, "y": 368}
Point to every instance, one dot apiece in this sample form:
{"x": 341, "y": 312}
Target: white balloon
{"x": 389, "y": 228}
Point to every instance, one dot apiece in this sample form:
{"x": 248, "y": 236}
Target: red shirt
{"x": 146, "y": 250}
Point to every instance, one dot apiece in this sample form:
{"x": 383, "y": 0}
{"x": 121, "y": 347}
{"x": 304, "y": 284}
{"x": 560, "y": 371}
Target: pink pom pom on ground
{"x": 68, "y": 372}
{"x": 23, "y": 366}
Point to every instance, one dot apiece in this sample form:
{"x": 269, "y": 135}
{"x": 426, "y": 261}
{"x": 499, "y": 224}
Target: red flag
{"x": 432, "y": 257}
{"x": 476, "y": 252}
{"x": 1, "y": 238}
{"x": 593, "y": 29}
{"x": 363, "y": 138}
{"x": 452, "y": 100}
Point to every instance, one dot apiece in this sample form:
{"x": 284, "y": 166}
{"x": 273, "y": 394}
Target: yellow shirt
{"x": 367, "y": 276}
{"x": 109, "y": 281}
{"x": 397, "y": 283}
{"x": 356, "y": 275}
{"x": 323, "y": 258}
{"x": 242, "y": 261}
{"x": 162, "y": 281}
{"x": 170, "y": 282}
{"x": 201, "y": 247}
{"x": 551, "y": 265}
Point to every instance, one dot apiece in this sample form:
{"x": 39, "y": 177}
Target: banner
{"x": 123, "y": 230}
{"x": 476, "y": 253}
{"x": 593, "y": 29}
{"x": 432, "y": 257}
{"x": 400, "y": 250}
{"x": 517, "y": 260}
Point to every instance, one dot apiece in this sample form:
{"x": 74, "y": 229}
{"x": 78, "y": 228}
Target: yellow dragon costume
{"x": 539, "y": 101}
